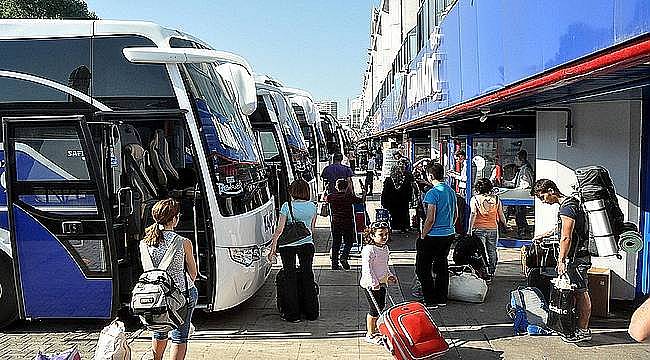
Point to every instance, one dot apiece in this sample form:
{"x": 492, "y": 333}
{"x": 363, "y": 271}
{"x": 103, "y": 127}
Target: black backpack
{"x": 594, "y": 183}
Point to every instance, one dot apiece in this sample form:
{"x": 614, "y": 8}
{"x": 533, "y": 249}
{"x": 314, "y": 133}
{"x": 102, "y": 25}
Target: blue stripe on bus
{"x": 52, "y": 283}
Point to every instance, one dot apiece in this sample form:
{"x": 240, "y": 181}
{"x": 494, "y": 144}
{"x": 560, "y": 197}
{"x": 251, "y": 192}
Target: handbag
{"x": 293, "y": 230}
{"x": 324, "y": 210}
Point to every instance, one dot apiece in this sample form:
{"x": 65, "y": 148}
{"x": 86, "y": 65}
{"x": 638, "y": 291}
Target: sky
{"x": 319, "y": 46}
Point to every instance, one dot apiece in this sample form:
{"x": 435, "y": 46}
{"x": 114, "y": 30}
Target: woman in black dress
{"x": 396, "y": 196}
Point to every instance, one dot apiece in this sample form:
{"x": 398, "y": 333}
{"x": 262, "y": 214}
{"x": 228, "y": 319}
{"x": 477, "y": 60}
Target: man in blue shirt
{"x": 438, "y": 230}
{"x": 336, "y": 171}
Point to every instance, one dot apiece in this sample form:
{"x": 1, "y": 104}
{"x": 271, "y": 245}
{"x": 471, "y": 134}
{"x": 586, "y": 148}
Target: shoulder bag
{"x": 293, "y": 230}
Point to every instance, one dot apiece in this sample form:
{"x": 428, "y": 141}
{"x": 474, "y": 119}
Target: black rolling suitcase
{"x": 308, "y": 296}
{"x": 288, "y": 300}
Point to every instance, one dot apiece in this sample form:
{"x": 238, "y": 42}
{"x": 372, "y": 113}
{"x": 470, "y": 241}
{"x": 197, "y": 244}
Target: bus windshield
{"x": 236, "y": 165}
{"x": 290, "y": 126}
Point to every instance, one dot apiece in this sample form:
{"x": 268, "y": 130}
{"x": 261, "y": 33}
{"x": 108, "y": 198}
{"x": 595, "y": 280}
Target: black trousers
{"x": 370, "y": 178}
{"x": 431, "y": 257}
{"x": 347, "y": 236}
{"x": 305, "y": 254}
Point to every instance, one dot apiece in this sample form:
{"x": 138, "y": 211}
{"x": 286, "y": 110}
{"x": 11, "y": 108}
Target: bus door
{"x": 275, "y": 151}
{"x": 57, "y": 204}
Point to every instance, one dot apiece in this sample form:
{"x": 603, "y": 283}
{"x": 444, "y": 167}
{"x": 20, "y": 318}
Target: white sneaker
{"x": 374, "y": 339}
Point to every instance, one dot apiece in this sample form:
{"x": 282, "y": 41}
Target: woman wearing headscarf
{"x": 396, "y": 195}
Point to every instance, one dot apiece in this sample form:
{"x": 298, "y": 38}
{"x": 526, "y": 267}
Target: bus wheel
{"x": 8, "y": 304}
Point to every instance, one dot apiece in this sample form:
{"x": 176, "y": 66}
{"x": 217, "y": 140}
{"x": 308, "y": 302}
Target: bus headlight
{"x": 245, "y": 255}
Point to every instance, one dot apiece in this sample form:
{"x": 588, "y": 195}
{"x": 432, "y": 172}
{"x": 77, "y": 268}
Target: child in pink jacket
{"x": 375, "y": 274}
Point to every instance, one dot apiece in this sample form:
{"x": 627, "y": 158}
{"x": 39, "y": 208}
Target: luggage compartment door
{"x": 60, "y": 234}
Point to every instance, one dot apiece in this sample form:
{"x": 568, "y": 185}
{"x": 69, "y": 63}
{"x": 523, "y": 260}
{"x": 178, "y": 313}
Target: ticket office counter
{"x": 494, "y": 156}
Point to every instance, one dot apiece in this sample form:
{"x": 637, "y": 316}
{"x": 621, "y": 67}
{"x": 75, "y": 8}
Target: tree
{"x": 45, "y": 9}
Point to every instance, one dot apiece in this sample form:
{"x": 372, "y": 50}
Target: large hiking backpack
{"x": 603, "y": 216}
{"x": 156, "y": 299}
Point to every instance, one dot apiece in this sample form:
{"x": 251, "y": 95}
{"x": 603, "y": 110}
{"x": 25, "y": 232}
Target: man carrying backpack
{"x": 574, "y": 258}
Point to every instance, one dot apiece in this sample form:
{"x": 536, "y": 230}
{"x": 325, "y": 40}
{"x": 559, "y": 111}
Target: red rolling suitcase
{"x": 410, "y": 332}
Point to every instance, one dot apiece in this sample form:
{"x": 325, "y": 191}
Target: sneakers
{"x": 433, "y": 306}
{"x": 374, "y": 339}
{"x": 580, "y": 335}
{"x": 345, "y": 265}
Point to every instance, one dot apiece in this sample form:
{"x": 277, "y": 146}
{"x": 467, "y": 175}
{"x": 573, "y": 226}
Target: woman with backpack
{"x": 486, "y": 212}
{"x": 159, "y": 237}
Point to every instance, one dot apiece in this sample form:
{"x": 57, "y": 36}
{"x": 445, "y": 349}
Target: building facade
{"x": 392, "y": 25}
{"x": 329, "y": 106}
{"x": 572, "y": 88}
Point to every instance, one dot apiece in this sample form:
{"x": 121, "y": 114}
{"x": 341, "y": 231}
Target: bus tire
{"x": 8, "y": 302}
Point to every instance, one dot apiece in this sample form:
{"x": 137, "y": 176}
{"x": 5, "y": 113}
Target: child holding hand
{"x": 375, "y": 274}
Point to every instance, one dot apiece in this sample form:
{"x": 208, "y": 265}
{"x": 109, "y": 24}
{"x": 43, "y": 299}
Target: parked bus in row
{"x": 100, "y": 120}
{"x": 282, "y": 144}
{"x": 305, "y": 109}
{"x": 333, "y": 133}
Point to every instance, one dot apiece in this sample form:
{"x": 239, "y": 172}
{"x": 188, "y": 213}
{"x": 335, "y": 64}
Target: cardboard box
{"x": 599, "y": 291}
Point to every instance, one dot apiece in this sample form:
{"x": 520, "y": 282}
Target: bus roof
{"x": 38, "y": 28}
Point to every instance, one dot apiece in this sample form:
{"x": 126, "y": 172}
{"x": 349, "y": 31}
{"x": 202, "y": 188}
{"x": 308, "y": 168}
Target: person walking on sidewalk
{"x": 396, "y": 195}
{"x": 342, "y": 222}
{"x": 433, "y": 245}
{"x": 370, "y": 175}
{"x": 574, "y": 259}
{"x": 486, "y": 212}
{"x": 159, "y": 237}
{"x": 375, "y": 275}
{"x": 336, "y": 171}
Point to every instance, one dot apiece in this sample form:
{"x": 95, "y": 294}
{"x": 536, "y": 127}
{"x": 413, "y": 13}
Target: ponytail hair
{"x": 163, "y": 213}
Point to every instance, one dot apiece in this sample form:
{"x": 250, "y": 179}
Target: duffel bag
{"x": 465, "y": 285}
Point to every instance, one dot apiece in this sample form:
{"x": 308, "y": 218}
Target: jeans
{"x": 431, "y": 256}
{"x": 347, "y": 236}
{"x": 489, "y": 239}
{"x": 520, "y": 220}
{"x": 180, "y": 335}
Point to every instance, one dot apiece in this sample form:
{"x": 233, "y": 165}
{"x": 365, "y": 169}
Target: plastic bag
{"x": 70, "y": 354}
{"x": 112, "y": 344}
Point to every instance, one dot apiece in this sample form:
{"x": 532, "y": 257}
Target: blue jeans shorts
{"x": 180, "y": 335}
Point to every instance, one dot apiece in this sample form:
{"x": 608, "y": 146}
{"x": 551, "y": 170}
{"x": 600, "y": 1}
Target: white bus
{"x": 100, "y": 120}
{"x": 281, "y": 140}
{"x": 310, "y": 123}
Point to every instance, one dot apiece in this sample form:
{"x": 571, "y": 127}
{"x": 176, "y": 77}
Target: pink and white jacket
{"x": 374, "y": 266}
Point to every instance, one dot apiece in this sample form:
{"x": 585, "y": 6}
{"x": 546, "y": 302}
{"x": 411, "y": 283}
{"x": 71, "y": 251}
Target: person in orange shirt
{"x": 486, "y": 212}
